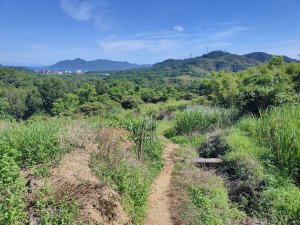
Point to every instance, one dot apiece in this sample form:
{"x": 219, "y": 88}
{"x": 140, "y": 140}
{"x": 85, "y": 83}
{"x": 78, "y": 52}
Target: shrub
{"x": 34, "y": 143}
{"x": 212, "y": 204}
{"x": 92, "y": 108}
{"x": 282, "y": 205}
{"x": 255, "y": 88}
{"x": 130, "y": 102}
{"x": 55, "y": 210}
{"x": 12, "y": 192}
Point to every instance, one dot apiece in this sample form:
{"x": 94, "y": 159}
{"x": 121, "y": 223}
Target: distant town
{"x": 46, "y": 71}
{"x": 61, "y": 72}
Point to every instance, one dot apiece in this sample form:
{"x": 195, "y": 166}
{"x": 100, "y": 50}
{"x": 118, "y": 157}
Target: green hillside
{"x": 216, "y": 61}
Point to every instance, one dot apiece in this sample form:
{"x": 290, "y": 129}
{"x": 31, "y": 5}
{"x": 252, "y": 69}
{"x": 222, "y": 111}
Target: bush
{"x": 282, "y": 204}
{"x": 12, "y": 192}
{"x": 130, "y": 102}
{"x": 212, "y": 204}
{"x": 92, "y": 108}
{"x": 272, "y": 84}
{"x": 54, "y": 210}
{"x": 34, "y": 143}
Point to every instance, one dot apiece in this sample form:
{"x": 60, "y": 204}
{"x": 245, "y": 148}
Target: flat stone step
{"x": 207, "y": 160}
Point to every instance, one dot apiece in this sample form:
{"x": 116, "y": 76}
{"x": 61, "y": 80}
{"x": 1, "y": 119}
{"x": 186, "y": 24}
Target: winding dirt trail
{"x": 159, "y": 200}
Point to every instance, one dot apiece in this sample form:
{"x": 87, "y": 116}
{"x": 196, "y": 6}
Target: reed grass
{"x": 202, "y": 119}
{"x": 279, "y": 129}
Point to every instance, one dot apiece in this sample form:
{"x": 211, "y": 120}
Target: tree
{"x": 86, "y": 93}
{"x": 51, "y": 89}
{"x": 255, "y": 88}
{"x": 34, "y": 102}
{"x": 117, "y": 93}
{"x": 68, "y": 104}
{"x": 147, "y": 95}
{"x": 276, "y": 61}
{"x": 4, "y": 107}
{"x": 58, "y": 106}
{"x": 101, "y": 87}
{"x": 16, "y": 98}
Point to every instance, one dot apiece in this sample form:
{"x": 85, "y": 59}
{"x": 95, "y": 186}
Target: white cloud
{"x": 229, "y": 32}
{"x": 132, "y": 45}
{"x": 77, "y": 10}
{"x": 178, "y": 28}
{"x": 84, "y": 10}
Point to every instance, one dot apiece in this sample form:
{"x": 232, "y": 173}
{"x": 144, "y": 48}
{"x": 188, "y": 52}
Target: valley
{"x": 144, "y": 148}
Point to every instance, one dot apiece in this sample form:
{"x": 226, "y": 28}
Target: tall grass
{"x": 33, "y": 143}
{"x": 258, "y": 187}
{"x": 202, "y": 119}
{"x": 170, "y": 106}
{"x": 279, "y": 128}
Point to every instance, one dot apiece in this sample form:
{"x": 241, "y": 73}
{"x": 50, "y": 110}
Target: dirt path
{"x": 159, "y": 200}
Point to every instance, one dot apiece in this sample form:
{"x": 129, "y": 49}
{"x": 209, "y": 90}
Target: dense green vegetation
{"x": 261, "y": 163}
{"x": 249, "y": 119}
{"x": 23, "y": 95}
{"x": 24, "y": 146}
{"x": 265, "y": 186}
{"x": 205, "y": 199}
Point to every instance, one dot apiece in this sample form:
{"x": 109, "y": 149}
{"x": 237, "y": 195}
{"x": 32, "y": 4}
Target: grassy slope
{"x": 262, "y": 178}
{"x": 263, "y": 187}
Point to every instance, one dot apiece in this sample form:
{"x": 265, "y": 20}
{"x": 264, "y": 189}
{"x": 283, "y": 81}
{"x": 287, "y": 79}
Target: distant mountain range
{"x": 95, "y": 65}
{"x": 216, "y": 61}
{"x": 202, "y": 65}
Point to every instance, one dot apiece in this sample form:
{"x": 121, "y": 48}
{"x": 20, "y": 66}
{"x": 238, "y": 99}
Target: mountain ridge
{"x": 213, "y": 61}
{"x": 94, "y": 65}
{"x": 264, "y": 57}
{"x": 219, "y": 60}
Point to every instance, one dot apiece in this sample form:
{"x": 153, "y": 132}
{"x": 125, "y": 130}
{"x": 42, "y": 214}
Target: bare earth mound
{"x": 98, "y": 203}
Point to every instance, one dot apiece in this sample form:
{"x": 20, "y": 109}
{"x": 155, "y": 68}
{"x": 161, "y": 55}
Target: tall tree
{"x": 52, "y": 89}
{"x": 86, "y": 93}
{"x": 101, "y": 87}
{"x": 16, "y": 98}
{"x": 33, "y": 102}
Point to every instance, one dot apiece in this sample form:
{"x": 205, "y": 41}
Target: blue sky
{"x": 42, "y": 32}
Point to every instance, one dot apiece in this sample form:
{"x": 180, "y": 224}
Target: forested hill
{"x": 95, "y": 65}
{"x": 264, "y": 57}
{"x": 218, "y": 60}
